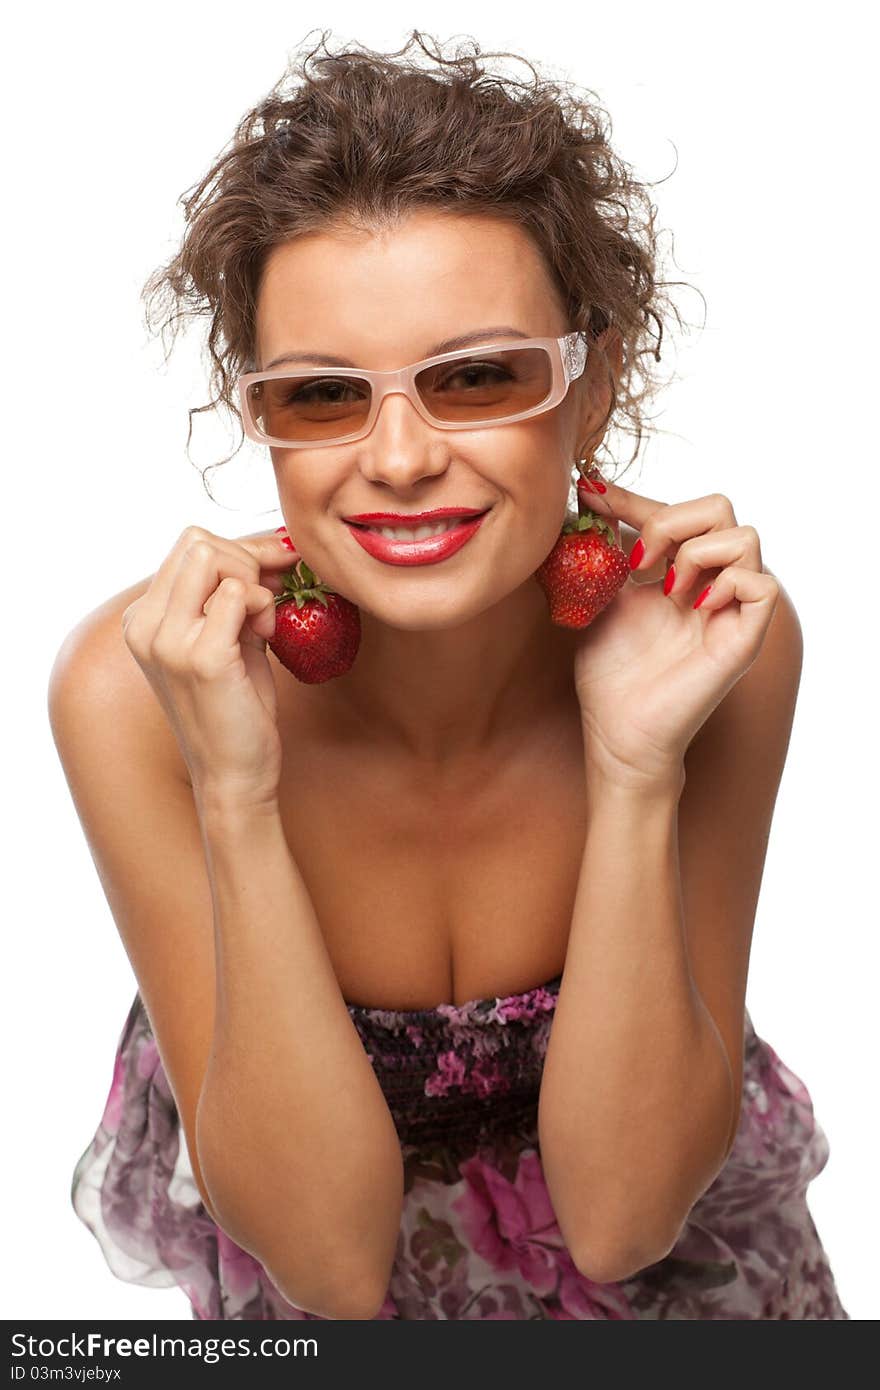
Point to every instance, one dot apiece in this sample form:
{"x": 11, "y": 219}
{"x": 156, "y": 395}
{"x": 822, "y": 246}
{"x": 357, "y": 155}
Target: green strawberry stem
{"x": 303, "y": 586}
{"x": 589, "y": 521}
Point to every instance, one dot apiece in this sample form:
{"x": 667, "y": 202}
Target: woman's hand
{"x": 650, "y": 669}
{"x": 199, "y": 635}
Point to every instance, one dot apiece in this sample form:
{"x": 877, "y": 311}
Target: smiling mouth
{"x": 423, "y": 531}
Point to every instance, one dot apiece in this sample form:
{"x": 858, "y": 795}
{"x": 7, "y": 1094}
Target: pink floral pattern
{"x": 478, "y": 1236}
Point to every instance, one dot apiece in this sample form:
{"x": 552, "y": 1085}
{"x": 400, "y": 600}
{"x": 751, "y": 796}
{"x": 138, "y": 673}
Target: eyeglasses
{"x": 473, "y": 388}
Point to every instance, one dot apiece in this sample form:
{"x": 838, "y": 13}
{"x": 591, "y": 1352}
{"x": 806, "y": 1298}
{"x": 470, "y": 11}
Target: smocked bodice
{"x": 461, "y": 1074}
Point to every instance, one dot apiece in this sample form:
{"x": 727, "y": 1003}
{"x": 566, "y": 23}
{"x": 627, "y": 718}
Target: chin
{"x": 437, "y": 613}
{"x": 417, "y": 618}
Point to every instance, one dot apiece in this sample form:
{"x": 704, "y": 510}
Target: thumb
{"x": 259, "y": 625}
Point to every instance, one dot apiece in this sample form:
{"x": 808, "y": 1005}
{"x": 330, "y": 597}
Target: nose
{"x": 402, "y": 447}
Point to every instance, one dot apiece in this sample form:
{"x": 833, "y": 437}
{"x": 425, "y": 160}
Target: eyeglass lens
{"x": 308, "y": 407}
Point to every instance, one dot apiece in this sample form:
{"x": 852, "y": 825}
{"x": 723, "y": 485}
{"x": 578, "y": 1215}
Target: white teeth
{"x": 418, "y": 533}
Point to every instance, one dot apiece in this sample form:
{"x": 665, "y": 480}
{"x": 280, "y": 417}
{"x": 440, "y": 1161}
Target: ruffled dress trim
{"x": 478, "y": 1236}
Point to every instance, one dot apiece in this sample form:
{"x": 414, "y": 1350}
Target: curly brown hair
{"x": 373, "y": 136}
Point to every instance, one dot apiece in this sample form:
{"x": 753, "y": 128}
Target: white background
{"x": 111, "y": 114}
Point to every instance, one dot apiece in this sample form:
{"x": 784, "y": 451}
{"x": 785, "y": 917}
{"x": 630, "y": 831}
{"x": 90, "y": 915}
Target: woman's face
{"x": 383, "y": 300}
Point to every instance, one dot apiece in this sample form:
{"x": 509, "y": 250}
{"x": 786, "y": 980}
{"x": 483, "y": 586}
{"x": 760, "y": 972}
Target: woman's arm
{"x": 636, "y": 1083}
{"x": 296, "y": 1142}
{"x": 302, "y": 1158}
{"x": 642, "y": 1079}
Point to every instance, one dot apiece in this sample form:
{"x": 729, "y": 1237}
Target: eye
{"x": 473, "y": 374}
{"x": 327, "y": 391}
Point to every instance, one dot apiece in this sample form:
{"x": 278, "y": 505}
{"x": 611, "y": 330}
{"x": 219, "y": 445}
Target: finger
{"x": 757, "y": 595}
{"x": 271, "y": 577}
{"x": 271, "y": 547}
{"x": 272, "y": 580}
{"x": 620, "y": 503}
{"x": 201, "y": 569}
{"x": 675, "y": 522}
{"x": 735, "y": 545}
{"x": 264, "y": 547}
{"x": 271, "y": 551}
{"x": 236, "y": 614}
{"x": 286, "y": 539}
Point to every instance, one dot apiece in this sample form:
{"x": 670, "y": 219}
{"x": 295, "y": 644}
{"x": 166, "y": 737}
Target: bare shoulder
{"x": 96, "y": 647}
{"x": 127, "y": 780}
{"x": 116, "y": 681}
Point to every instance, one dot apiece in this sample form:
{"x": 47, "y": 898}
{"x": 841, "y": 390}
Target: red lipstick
{"x": 418, "y": 552}
{"x": 415, "y": 518}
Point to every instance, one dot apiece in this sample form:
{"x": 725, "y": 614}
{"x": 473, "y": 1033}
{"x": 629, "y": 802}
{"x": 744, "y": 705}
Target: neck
{"x": 439, "y": 697}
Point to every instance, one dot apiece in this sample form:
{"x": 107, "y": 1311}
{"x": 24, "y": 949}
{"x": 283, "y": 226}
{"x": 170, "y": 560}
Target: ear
{"x": 615, "y": 353}
{"x": 611, "y": 342}
{"x": 595, "y": 391}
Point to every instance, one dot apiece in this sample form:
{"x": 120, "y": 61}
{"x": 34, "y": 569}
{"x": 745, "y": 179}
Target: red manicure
{"x": 669, "y": 580}
{"x": 635, "y": 555}
{"x": 706, "y": 591}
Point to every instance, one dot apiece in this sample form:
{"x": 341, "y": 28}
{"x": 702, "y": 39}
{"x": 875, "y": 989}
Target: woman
{"x": 441, "y": 962}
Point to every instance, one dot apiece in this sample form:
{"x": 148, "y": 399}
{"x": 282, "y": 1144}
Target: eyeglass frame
{"x": 568, "y": 357}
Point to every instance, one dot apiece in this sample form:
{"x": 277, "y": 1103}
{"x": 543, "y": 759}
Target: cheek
{"x": 546, "y": 534}
{"x": 531, "y": 527}
{"x": 304, "y": 508}
{"x": 549, "y": 497}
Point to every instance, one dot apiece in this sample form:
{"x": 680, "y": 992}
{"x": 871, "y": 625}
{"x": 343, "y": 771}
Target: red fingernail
{"x": 635, "y": 555}
{"x": 706, "y": 591}
{"x": 669, "y": 580}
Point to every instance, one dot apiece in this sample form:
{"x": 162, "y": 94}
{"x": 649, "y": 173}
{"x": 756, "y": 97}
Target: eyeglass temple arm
{"x": 574, "y": 348}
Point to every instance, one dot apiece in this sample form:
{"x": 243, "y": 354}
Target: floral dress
{"x": 478, "y": 1235}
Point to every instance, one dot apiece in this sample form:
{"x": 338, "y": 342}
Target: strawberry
{"x": 317, "y": 631}
{"x": 583, "y": 571}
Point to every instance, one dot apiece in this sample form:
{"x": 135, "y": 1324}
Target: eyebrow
{"x": 327, "y": 359}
